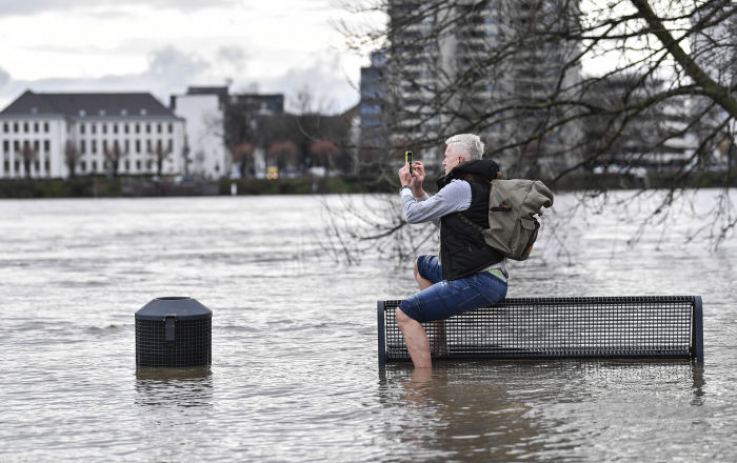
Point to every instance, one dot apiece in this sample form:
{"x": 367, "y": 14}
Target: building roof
{"x": 89, "y": 105}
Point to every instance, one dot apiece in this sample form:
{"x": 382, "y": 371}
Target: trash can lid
{"x": 183, "y": 308}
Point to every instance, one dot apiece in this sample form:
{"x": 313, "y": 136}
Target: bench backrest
{"x": 646, "y": 327}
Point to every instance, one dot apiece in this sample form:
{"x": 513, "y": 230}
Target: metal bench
{"x": 648, "y": 327}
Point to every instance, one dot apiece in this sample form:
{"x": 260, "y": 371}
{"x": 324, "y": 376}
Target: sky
{"x": 163, "y": 46}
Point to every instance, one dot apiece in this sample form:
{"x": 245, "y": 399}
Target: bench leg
{"x": 416, "y": 339}
{"x": 438, "y": 339}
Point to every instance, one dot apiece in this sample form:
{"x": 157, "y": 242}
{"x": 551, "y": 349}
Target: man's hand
{"x": 413, "y": 180}
{"x": 418, "y": 176}
{"x": 405, "y": 178}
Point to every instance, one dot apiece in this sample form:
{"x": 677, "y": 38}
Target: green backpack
{"x": 513, "y": 205}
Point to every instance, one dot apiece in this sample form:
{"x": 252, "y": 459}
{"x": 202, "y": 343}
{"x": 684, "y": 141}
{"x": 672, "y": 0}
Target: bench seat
{"x": 643, "y": 327}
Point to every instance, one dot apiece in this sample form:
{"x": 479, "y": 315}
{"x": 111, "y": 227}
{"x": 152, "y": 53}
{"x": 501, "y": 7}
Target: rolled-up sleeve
{"x": 455, "y": 197}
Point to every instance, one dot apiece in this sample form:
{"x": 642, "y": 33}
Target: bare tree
{"x": 283, "y": 153}
{"x": 29, "y": 156}
{"x": 160, "y": 155}
{"x": 71, "y": 157}
{"x": 113, "y": 156}
{"x": 556, "y": 86}
{"x": 243, "y": 157}
{"x": 324, "y": 152}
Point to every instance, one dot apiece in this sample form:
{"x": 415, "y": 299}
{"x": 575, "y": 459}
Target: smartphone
{"x": 408, "y": 158}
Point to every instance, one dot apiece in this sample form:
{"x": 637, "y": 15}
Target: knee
{"x": 417, "y": 269}
{"x": 402, "y": 317}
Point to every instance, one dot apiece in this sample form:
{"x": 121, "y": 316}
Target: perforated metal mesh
{"x": 191, "y": 345}
{"x": 641, "y": 327}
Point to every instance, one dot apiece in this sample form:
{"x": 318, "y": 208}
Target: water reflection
{"x": 698, "y": 385}
{"x": 182, "y": 387}
{"x": 453, "y": 412}
{"x": 531, "y": 411}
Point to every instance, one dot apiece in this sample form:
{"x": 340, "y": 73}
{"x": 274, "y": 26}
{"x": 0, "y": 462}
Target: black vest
{"x": 463, "y": 250}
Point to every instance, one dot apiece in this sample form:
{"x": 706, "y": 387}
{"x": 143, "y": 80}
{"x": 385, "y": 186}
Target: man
{"x": 467, "y": 274}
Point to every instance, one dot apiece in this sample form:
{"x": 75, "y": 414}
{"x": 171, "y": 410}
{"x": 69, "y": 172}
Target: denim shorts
{"x": 447, "y": 298}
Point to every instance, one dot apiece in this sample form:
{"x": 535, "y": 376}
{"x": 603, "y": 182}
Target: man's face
{"x": 451, "y": 158}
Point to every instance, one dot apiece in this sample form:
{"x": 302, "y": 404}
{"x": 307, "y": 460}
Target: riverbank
{"x": 105, "y": 187}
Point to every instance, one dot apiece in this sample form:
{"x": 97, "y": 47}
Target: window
{"x": 94, "y": 166}
{"x": 104, "y": 146}
{"x": 25, "y": 127}
{"x": 138, "y": 164}
{"x": 81, "y": 129}
{"x": 158, "y": 128}
{"x": 35, "y": 127}
{"x": 170, "y": 146}
{"x": 82, "y": 147}
{"x": 94, "y": 146}
{"x": 16, "y": 146}
{"x": 47, "y": 146}
{"x": 46, "y": 127}
{"x": 125, "y": 128}
{"x": 148, "y": 128}
{"x": 6, "y": 127}
{"x": 148, "y": 145}
{"x": 171, "y": 128}
{"x": 47, "y": 165}
{"x": 138, "y": 128}
{"x": 15, "y": 127}
{"x": 93, "y": 126}
{"x": 127, "y": 165}
{"x": 127, "y": 146}
{"x": 115, "y": 128}
{"x": 36, "y": 146}
{"x": 138, "y": 146}
{"x": 83, "y": 166}
{"x": 104, "y": 128}
{"x": 6, "y": 146}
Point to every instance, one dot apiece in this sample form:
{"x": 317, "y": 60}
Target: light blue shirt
{"x": 454, "y": 197}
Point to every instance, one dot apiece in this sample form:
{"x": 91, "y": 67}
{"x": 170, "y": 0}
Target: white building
{"x": 45, "y": 135}
{"x": 204, "y": 114}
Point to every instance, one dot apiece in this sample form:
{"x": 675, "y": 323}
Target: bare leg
{"x": 416, "y": 339}
{"x": 439, "y": 341}
{"x": 421, "y": 282}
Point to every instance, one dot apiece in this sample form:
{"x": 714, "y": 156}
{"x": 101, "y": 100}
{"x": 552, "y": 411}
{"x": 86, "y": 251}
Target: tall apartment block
{"x": 484, "y": 67}
{"x": 714, "y": 49}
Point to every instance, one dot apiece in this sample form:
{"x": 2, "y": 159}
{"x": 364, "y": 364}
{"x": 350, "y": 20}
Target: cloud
{"x": 30, "y": 7}
{"x": 330, "y": 89}
{"x": 171, "y": 71}
{"x": 232, "y": 55}
{"x": 175, "y": 68}
{"x": 4, "y": 77}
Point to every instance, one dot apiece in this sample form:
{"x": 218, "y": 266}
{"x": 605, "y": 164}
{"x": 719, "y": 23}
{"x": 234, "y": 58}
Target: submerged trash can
{"x": 173, "y": 332}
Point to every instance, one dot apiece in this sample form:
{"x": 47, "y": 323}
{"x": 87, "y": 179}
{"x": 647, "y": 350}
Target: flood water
{"x": 294, "y": 376}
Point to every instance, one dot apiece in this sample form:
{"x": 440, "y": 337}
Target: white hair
{"x": 471, "y": 144}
